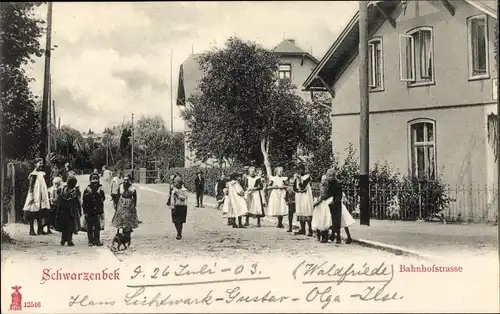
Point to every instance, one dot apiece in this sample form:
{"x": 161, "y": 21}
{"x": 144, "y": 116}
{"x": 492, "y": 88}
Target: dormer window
{"x": 285, "y": 71}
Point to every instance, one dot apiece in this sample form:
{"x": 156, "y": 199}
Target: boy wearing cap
{"x": 93, "y": 209}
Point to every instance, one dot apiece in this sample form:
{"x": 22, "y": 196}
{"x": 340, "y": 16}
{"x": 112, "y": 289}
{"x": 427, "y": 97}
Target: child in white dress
{"x": 346, "y": 219}
{"x": 322, "y": 218}
{"x": 277, "y": 206}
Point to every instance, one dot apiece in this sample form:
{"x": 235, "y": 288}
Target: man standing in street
{"x": 93, "y": 209}
{"x": 199, "y": 184}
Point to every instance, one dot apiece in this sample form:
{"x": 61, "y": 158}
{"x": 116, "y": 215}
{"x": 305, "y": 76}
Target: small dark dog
{"x": 121, "y": 239}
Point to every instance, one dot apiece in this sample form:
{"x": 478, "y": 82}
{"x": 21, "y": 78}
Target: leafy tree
{"x": 242, "y": 111}
{"x": 319, "y": 147}
{"x": 20, "y": 32}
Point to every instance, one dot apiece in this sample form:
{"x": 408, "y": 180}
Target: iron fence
{"x": 472, "y": 203}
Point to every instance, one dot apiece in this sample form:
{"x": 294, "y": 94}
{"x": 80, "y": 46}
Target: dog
{"x": 121, "y": 239}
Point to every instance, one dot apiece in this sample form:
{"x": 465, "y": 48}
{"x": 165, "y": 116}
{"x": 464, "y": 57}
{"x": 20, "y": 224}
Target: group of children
{"x": 243, "y": 195}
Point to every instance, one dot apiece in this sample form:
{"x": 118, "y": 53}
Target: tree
{"x": 242, "y": 111}
{"x": 20, "y": 32}
{"x": 319, "y": 147}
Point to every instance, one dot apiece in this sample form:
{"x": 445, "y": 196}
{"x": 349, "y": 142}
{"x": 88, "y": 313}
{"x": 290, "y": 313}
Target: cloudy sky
{"x": 113, "y": 59}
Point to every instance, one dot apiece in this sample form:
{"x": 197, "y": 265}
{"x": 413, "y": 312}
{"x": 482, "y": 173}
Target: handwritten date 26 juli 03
{"x": 188, "y": 270}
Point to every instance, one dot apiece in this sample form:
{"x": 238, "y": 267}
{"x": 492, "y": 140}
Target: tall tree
{"x": 242, "y": 111}
{"x": 20, "y": 33}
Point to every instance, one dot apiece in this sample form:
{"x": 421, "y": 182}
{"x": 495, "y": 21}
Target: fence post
{"x": 419, "y": 201}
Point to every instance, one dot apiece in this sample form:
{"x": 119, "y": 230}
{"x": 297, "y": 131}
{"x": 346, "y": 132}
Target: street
{"x": 205, "y": 235}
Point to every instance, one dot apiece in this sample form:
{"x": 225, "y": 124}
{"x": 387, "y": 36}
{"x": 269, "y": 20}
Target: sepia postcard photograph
{"x": 250, "y": 157}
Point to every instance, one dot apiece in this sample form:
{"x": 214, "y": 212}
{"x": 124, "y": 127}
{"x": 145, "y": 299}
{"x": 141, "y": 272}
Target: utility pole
{"x": 171, "y": 95}
{"x": 54, "y": 117}
{"x": 132, "y": 157}
{"x": 46, "y": 84}
{"x": 364, "y": 113}
{"x": 49, "y": 122}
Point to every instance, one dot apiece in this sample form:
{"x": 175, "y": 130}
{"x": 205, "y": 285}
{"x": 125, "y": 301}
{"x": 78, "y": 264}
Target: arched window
{"x": 422, "y": 137}
{"x": 416, "y": 50}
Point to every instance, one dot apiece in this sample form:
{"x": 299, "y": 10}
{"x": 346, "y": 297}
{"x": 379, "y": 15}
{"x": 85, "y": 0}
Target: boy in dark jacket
{"x": 93, "y": 208}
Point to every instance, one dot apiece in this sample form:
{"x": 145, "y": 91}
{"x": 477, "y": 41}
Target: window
{"x": 423, "y": 148}
{"x": 376, "y": 68}
{"x": 478, "y": 46}
{"x": 416, "y": 56}
{"x": 285, "y": 71}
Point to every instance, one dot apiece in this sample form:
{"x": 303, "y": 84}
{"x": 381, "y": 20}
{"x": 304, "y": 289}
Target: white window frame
{"x": 413, "y": 145}
{"x": 485, "y": 75}
{"x": 412, "y": 79}
{"x": 372, "y": 48}
{"x": 280, "y": 71}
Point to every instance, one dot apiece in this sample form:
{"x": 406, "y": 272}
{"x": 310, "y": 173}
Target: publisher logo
{"x": 17, "y": 299}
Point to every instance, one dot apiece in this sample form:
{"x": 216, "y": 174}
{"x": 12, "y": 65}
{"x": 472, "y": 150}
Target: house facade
{"x": 295, "y": 64}
{"x": 432, "y": 78}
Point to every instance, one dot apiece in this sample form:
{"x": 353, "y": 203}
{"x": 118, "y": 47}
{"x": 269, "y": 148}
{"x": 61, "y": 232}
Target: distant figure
{"x": 107, "y": 175}
{"x": 53, "y": 194}
{"x": 114, "y": 188}
{"x": 199, "y": 184}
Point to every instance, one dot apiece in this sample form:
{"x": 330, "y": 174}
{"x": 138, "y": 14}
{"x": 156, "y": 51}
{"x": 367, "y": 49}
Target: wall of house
{"x": 461, "y": 141}
{"x": 452, "y": 86}
{"x": 464, "y": 156}
{"x": 299, "y": 72}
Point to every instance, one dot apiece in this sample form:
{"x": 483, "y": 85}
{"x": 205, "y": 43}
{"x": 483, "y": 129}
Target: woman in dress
{"x": 255, "y": 203}
{"x": 125, "y": 217}
{"x": 322, "y": 219}
{"x": 303, "y": 200}
{"x": 277, "y": 206}
{"x": 237, "y": 204}
{"x": 37, "y": 203}
{"x": 68, "y": 211}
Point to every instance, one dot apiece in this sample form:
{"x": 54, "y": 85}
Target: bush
{"x": 421, "y": 197}
{"x": 22, "y": 171}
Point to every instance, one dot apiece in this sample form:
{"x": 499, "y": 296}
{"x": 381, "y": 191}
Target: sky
{"x": 113, "y": 59}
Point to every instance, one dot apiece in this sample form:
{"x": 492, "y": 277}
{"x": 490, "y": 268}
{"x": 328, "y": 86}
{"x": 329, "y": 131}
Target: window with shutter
{"x": 416, "y": 56}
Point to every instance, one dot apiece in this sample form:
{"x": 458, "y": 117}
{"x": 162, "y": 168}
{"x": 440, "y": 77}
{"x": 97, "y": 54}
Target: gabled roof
{"x": 288, "y": 48}
{"x": 489, "y": 7}
{"x": 345, "y": 47}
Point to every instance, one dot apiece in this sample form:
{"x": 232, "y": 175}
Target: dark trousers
{"x": 336, "y": 212}
{"x": 67, "y": 234}
{"x": 115, "y": 198}
{"x": 199, "y": 197}
{"x": 93, "y": 229}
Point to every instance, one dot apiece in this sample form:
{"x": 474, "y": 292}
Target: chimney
{"x": 291, "y": 40}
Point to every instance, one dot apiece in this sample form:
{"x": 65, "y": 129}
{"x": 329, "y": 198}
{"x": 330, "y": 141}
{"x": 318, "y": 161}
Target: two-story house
{"x": 295, "y": 64}
{"x": 432, "y": 80}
